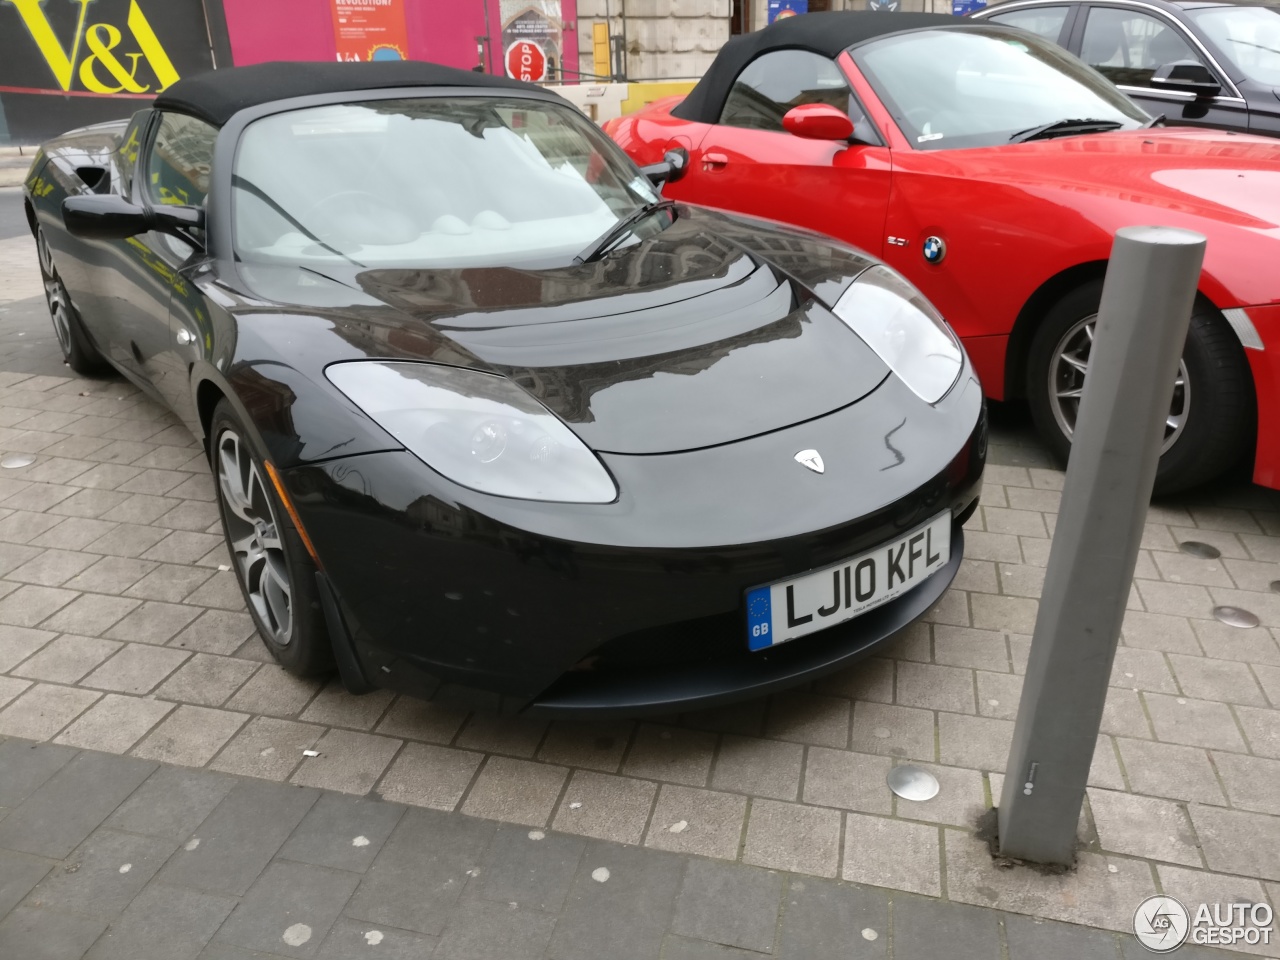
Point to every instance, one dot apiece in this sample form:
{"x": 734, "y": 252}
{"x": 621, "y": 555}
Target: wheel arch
{"x": 1032, "y": 312}
{"x": 208, "y": 394}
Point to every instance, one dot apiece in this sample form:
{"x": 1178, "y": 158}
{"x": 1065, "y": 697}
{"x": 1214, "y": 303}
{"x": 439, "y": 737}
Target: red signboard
{"x": 526, "y": 61}
{"x": 370, "y": 30}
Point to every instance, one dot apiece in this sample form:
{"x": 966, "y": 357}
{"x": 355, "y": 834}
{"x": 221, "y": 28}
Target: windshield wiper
{"x": 602, "y": 243}
{"x": 253, "y": 188}
{"x": 1064, "y": 128}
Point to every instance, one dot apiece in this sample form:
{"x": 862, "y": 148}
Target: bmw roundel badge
{"x": 934, "y": 249}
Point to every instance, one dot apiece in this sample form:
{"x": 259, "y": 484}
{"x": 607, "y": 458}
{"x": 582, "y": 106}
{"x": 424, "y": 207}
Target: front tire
{"x": 1211, "y": 413}
{"x": 78, "y": 351}
{"x": 271, "y": 564}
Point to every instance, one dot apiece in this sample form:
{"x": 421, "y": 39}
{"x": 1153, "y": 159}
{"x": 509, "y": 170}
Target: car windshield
{"x": 982, "y": 86}
{"x": 429, "y": 182}
{"x": 1248, "y": 36}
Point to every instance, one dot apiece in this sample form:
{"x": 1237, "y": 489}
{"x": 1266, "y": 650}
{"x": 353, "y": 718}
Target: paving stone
{"x": 516, "y": 791}
{"x": 728, "y": 904}
{"x": 1021, "y": 580}
{"x": 120, "y": 539}
{"x": 1092, "y": 895}
{"x": 14, "y": 555}
{"x": 345, "y": 833}
{"x": 1167, "y": 770}
{"x": 29, "y": 604}
{"x": 94, "y": 880}
{"x": 1016, "y": 614}
{"x": 1002, "y": 547}
{"x": 44, "y": 709}
{"x": 480, "y": 930}
{"x": 998, "y": 694}
{"x": 67, "y": 659}
{"x": 977, "y": 575}
{"x": 420, "y": 873}
{"x": 1233, "y": 841}
{"x": 334, "y": 706}
{"x": 18, "y": 643}
{"x": 66, "y": 808}
{"x": 268, "y": 748}
{"x": 430, "y": 776}
{"x": 171, "y": 803}
{"x": 239, "y": 838}
{"x": 114, "y": 723}
{"x": 23, "y": 526}
{"x": 52, "y": 568}
{"x": 1262, "y": 728}
{"x": 11, "y": 688}
{"x": 274, "y": 691}
{"x": 1251, "y": 782}
{"x": 1143, "y": 827}
{"x": 763, "y": 768}
{"x": 1142, "y": 670}
{"x": 924, "y": 928}
{"x": 712, "y": 822}
{"x": 138, "y": 668}
{"x": 1158, "y": 631}
{"x": 348, "y": 939}
{"x": 1028, "y": 523}
{"x": 169, "y": 582}
{"x": 682, "y": 948}
{"x": 1123, "y": 715}
{"x": 182, "y": 546}
{"x": 1193, "y": 887}
{"x": 190, "y": 515}
{"x": 287, "y": 894}
{"x": 348, "y": 761}
{"x": 90, "y": 614}
{"x": 163, "y": 923}
{"x": 35, "y": 934}
{"x": 893, "y": 731}
{"x": 1031, "y": 938}
{"x": 822, "y": 920}
{"x": 935, "y": 688}
{"x": 605, "y": 807}
{"x": 966, "y": 647}
{"x": 1183, "y": 568}
{"x": 415, "y": 719}
{"x": 190, "y": 736}
{"x": 533, "y": 873}
{"x": 960, "y": 801}
{"x": 624, "y": 918}
{"x": 810, "y": 718}
{"x": 851, "y": 781}
{"x": 112, "y": 575}
{"x": 26, "y": 766}
{"x": 216, "y": 631}
{"x": 1221, "y": 518}
{"x": 1222, "y": 642}
{"x": 670, "y": 754}
{"x": 979, "y": 743}
{"x": 510, "y": 734}
{"x": 595, "y": 746}
{"x": 951, "y": 608}
{"x": 788, "y": 836}
{"x": 891, "y": 853}
{"x": 19, "y": 874}
{"x": 207, "y": 680}
{"x": 1222, "y": 680}
{"x": 1197, "y": 723}
{"x": 870, "y": 679}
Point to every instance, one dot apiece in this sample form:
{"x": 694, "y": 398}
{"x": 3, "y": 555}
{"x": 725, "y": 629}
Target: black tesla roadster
{"x": 490, "y": 418}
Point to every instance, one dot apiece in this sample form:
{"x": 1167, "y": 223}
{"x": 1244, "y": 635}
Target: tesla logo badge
{"x": 934, "y": 249}
{"x": 811, "y": 459}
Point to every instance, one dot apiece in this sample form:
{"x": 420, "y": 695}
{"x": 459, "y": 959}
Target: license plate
{"x": 789, "y": 609}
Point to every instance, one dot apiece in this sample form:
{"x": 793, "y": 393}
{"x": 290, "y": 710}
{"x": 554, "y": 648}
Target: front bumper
{"x": 635, "y": 606}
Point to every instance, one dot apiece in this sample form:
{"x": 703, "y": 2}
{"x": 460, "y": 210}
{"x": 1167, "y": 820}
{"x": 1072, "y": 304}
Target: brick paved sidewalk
{"x": 122, "y": 630}
{"x": 115, "y": 858}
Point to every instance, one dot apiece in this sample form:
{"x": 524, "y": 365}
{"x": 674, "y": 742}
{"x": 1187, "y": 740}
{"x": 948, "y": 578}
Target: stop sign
{"x": 526, "y": 61}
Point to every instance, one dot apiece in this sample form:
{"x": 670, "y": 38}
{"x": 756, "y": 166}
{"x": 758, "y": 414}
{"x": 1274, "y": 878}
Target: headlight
{"x": 479, "y": 430}
{"x": 901, "y": 326}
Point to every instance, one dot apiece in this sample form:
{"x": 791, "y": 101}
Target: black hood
{"x": 686, "y": 340}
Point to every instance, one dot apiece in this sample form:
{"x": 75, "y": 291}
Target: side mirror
{"x": 1187, "y": 76}
{"x": 674, "y": 164}
{"x": 108, "y": 216}
{"x": 818, "y": 121}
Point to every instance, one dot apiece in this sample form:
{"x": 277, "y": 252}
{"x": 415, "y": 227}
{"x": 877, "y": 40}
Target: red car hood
{"x": 1232, "y": 178}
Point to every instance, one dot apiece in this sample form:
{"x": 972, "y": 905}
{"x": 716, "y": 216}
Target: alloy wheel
{"x": 255, "y": 537}
{"x": 1070, "y": 362}
{"x": 56, "y": 294}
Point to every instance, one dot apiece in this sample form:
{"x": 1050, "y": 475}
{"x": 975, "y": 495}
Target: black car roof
{"x": 825, "y": 33}
{"x": 218, "y": 95}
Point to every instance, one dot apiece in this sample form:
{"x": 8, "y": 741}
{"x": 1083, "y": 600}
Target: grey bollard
{"x": 1142, "y": 325}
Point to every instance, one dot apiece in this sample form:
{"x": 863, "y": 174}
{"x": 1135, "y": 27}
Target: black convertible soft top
{"x": 825, "y": 33}
{"x": 218, "y": 95}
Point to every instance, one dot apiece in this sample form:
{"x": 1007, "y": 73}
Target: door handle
{"x": 714, "y": 161}
{"x": 184, "y": 336}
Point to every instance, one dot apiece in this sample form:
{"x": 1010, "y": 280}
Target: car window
{"x": 130, "y": 147}
{"x": 774, "y": 83}
{"x": 1249, "y": 36}
{"x": 1127, "y": 47}
{"x": 179, "y": 162}
{"x": 1043, "y": 21}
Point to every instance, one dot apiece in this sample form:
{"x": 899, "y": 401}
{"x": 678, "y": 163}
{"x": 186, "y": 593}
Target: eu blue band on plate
{"x": 759, "y": 618}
